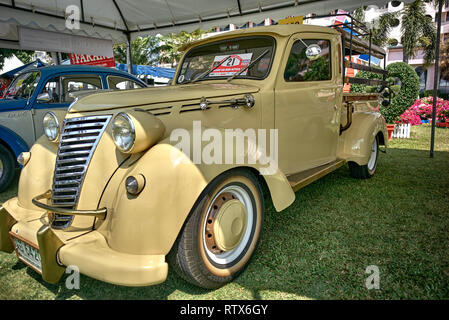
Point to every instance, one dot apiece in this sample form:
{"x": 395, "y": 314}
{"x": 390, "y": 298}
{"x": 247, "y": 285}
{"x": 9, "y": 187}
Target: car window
{"x": 228, "y": 57}
{"x": 23, "y": 86}
{"x": 299, "y": 68}
{"x": 120, "y": 83}
{"x": 51, "y": 92}
{"x": 74, "y": 84}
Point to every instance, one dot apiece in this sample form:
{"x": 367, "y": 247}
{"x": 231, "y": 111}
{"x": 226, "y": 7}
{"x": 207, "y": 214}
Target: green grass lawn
{"x": 320, "y": 247}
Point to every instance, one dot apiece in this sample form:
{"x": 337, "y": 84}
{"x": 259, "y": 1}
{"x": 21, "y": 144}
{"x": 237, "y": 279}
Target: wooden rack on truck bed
{"x": 353, "y": 35}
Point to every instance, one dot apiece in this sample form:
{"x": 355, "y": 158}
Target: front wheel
{"x": 368, "y": 170}
{"x": 7, "y": 168}
{"x": 222, "y": 231}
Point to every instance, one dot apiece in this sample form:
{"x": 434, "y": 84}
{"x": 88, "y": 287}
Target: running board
{"x": 301, "y": 179}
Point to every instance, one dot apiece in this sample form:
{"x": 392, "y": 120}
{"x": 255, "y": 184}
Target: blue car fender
{"x": 13, "y": 141}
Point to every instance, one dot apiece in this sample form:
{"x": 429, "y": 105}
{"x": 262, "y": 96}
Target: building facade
{"x": 425, "y": 72}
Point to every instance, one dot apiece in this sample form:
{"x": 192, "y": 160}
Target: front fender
{"x": 355, "y": 143}
{"x": 150, "y": 222}
{"x": 37, "y": 175}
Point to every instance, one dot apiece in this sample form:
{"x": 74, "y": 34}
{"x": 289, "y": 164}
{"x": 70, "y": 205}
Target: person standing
{"x": 5, "y": 81}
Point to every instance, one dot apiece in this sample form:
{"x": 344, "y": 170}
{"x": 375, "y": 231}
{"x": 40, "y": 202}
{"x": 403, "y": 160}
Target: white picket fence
{"x": 402, "y": 131}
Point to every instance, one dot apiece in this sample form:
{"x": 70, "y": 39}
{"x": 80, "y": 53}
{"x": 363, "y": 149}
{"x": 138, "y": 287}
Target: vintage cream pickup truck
{"x": 127, "y": 183}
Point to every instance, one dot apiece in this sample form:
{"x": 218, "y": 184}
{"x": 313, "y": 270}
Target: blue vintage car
{"x": 35, "y": 92}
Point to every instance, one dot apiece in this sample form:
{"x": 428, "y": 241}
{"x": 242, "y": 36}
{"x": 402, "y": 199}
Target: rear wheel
{"x": 7, "y": 167}
{"x": 222, "y": 231}
{"x": 368, "y": 170}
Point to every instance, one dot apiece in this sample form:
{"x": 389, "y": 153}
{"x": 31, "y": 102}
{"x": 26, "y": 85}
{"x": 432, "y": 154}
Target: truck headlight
{"x": 123, "y": 132}
{"x": 51, "y": 126}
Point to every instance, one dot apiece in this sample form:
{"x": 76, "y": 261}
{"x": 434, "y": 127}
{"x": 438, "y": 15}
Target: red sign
{"x": 100, "y": 61}
{"x": 232, "y": 64}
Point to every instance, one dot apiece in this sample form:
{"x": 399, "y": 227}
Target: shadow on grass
{"x": 321, "y": 246}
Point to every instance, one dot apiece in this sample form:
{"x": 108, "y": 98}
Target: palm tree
{"x": 168, "y": 48}
{"x": 418, "y": 31}
{"x": 379, "y": 30}
{"x": 141, "y": 49}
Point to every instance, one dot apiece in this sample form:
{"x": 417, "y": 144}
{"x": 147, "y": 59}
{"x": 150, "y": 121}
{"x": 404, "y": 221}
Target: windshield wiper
{"x": 248, "y": 66}
{"x": 205, "y": 74}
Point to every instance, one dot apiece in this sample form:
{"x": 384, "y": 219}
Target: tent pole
{"x": 436, "y": 78}
{"x": 56, "y": 57}
{"x": 129, "y": 54}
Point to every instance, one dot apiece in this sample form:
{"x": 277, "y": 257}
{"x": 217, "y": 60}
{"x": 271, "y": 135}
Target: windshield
{"x": 23, "y": 86}
{"x": 233, "y": 54}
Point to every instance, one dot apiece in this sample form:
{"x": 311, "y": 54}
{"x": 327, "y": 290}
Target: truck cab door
{"x": 308, "y": 96}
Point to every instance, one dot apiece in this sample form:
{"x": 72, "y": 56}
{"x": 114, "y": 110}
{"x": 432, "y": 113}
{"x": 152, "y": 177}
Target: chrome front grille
{"x": 79, "y": 138}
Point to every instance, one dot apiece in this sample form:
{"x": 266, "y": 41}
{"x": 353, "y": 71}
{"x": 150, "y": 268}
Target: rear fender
{"x": 355, "y": 143}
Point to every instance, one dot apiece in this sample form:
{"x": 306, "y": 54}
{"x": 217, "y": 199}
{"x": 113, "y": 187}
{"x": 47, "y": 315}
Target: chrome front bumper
{"x": 47, "y": 242}
{"x": 89, "y": 251}
{"x": 100, "y": 213}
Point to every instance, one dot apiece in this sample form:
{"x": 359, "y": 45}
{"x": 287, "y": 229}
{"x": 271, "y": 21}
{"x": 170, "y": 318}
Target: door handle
{"x": 247, "y": 101}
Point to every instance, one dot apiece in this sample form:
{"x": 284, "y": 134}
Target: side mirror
{"x": 313, "y": 52}
{"x": 44, "y": 97}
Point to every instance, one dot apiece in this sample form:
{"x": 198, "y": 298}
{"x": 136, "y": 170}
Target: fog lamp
{"x": 135, "y": 184}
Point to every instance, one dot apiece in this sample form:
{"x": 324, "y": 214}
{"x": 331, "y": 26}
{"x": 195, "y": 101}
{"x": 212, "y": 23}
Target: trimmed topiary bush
{"x": 403, "y": 96}
{"x": 407, "y": 94}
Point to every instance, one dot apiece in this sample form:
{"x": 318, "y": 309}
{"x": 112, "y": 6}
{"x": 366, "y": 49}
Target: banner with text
{"x": 90, "y": 60}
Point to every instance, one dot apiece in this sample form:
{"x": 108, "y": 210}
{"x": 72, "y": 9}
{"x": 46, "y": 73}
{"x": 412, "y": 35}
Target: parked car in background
{"x": 35, "y": 92}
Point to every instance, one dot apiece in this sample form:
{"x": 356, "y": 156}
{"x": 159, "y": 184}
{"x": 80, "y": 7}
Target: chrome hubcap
{"x": 1, "y": 168}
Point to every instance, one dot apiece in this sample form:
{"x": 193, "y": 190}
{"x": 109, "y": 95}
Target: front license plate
{"x": 27, "y": 253}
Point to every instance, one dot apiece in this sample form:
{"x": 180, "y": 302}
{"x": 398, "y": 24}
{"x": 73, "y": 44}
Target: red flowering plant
{"x": 409, "y": 116}
{"x": 422, "y": 110}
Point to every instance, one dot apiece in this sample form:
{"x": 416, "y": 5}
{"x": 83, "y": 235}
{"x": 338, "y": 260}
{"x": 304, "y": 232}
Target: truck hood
{"x": 147, "y": 96}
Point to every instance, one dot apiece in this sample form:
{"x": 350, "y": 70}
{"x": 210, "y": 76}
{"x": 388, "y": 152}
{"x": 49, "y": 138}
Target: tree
{"x": 157, "y": 49}
{"x": 380, "y": 29}
{"x": 23, "y": 55}
{"x": 418, "y": 31}
{"x": 141, "y": 49}
{"x": 168, "y": 49}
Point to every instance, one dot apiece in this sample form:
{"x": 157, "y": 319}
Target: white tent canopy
{"x": 116, "y": 19}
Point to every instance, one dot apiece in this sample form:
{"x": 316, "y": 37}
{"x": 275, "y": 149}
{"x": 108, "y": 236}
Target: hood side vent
{"x": 160, "y": 111}
{"x": 188, "y": 107}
